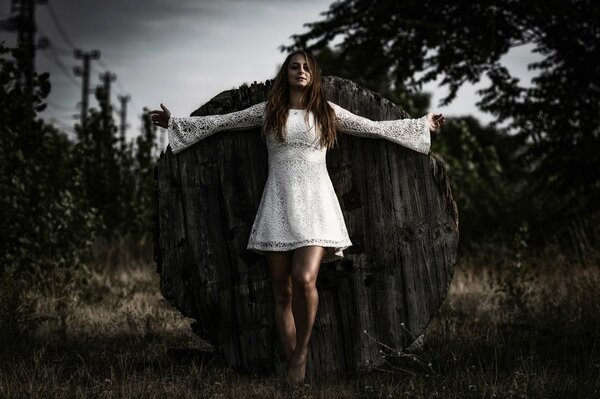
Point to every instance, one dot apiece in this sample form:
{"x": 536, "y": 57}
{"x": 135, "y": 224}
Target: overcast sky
{"x": 185, "y": 52}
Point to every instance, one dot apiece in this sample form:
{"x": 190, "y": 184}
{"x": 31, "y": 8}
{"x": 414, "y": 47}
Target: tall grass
{"x": 513, "y": 325}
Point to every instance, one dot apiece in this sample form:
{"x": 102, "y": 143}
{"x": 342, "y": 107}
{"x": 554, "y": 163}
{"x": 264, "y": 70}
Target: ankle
{"x": 300, "y": 354}
{"x": 289, "y": 357}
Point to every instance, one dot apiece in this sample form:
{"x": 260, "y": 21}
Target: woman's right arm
{"x": 185, "y": 131}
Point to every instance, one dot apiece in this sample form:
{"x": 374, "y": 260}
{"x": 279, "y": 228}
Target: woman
{"x": 299, "y": 223}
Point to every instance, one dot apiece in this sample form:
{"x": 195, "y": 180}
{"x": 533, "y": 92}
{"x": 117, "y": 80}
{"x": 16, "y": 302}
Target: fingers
{"x": 160, "y": 117}
{"x": 436, "y": 121}
{"x": 159, "y": 112}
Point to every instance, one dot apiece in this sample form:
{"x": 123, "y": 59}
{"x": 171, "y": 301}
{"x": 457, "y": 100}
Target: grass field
{"x": 527, "y": 328}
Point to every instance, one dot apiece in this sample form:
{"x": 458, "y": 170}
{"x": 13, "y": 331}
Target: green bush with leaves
{"x": 118, "y": 177}
{"x": 45, "y": 219}
{"x": 46, "y": 224}
{"x": 485, "y": 178}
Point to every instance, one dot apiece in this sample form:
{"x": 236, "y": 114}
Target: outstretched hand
{"x": 160, "y": 117}
{"x": 436, "y": 121}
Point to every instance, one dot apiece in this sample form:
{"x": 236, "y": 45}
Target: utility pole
{"x": 22, "y": 20}
{"x": 85, "y": 88}
{"x": 25, "y": 40}
{"x": 106, "y": 78}
{"x": 123, "y": 113}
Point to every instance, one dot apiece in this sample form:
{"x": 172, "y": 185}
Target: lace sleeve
{"x": 185, "y": 131}
{"x": 410, "y": 133}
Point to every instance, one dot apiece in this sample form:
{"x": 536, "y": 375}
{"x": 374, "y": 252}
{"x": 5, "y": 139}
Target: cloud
{"x": 123, "y": 23}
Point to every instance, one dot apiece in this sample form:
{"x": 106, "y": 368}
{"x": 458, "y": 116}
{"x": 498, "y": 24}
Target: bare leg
{"x": 305, "y": 300}
{"x": 280, "y": 268}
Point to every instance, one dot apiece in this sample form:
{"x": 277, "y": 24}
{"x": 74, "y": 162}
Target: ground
{"x": 524, "y": 329}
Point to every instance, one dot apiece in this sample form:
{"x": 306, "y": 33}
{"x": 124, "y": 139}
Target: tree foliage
{"x": 486, "y": 180}
{"x": 331, "y": 63}
{"x": 58, "y": 196}
{"x": 414, "y": 42}
{"x": 118, "y": 176}
{"x": 45, "y": 218}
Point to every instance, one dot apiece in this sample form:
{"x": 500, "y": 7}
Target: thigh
{"x": 280, "y": 266}
{"x": 307, "y": 261}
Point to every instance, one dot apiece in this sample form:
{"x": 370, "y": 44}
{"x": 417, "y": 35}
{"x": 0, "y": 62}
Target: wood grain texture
{"x": 400, "y": 216}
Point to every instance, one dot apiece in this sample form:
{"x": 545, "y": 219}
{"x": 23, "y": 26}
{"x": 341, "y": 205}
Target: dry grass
{"x": 111, "y": 334}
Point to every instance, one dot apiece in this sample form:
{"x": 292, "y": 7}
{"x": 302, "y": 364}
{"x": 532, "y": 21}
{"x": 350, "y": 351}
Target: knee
{"x": 304, "y": 280}
{"x": 283, "y": 294}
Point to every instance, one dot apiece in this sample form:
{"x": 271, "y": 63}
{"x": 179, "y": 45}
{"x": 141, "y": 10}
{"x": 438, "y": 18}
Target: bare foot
{"x": 288, "y": 357}
{"x": 297, "y": 370}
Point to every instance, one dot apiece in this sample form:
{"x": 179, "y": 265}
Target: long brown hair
{"x": 278, "y": 103}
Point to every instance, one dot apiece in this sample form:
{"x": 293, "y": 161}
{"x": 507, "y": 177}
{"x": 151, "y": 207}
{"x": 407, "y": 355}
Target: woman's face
{"x": 299, "y": 75}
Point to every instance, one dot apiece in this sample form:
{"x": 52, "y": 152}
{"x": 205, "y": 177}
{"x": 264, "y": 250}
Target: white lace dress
{"x": 299, "y": 206}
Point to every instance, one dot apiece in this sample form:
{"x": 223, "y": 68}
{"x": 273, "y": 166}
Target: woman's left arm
{"x": 411, "y": 133}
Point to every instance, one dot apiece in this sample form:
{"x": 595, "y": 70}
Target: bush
{"x": 45, "y": 221}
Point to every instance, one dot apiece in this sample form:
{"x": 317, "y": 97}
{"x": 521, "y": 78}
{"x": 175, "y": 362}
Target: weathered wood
{"x": 400, "y": 216}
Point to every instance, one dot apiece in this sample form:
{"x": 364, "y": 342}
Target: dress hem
{"x": 334, "y": 249}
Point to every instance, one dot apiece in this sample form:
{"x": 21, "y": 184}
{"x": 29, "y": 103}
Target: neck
{"x": 296, "y": 98}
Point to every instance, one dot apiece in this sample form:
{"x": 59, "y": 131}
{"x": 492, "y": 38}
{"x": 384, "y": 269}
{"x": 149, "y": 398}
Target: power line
{"x": 62, "y": 125}
{"x": 58, "y": 114}
{"x": 73, "y": 46}
{"x": 49, "y": 43}
{"x": 59, "y": 27}
{"x": 58, "y": 121}
{"x": 106, "y": 68}
{"x": 60, "y": 51}
{"x": 121, "y": 86}
{"x": 66, "y": 38}
{"x": 61, "y": 66}
{"x": 59, "y": 107}
{"x": 117, "y": 81}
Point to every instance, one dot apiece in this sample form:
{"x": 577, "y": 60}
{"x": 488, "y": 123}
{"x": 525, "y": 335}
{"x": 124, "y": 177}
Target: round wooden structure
{"x": 400, "y": 216}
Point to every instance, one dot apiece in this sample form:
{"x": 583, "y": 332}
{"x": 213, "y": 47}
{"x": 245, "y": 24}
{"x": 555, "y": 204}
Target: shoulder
{"x": 336, "y": 108}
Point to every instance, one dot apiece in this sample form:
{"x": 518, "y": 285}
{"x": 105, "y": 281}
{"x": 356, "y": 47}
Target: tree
{"x": 486, "y": 179}
{"x": 100, "y": 163}
{"x": 332, "y": 63}
{"x": 118, "y": 178}
{"x": 45, "y": 221}
{"x": 144, "y": 164}
{"x": 413, "y": 42}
